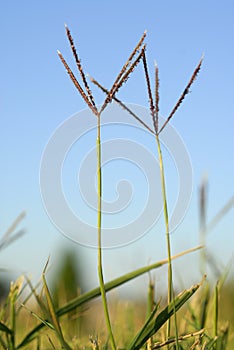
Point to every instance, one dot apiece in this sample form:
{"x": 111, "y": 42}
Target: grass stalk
{"x": 13, "y": 328}
{"x": 216, "y": 309}
{"x": 14, "y": 292}
{"x": 151, "y": 306}
{"x": 88, "y": 296}
{"x": 99, "y": 228}
{"x": 170, "y": 295}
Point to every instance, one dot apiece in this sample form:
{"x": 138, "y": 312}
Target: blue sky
{"x": 37, "y": 96}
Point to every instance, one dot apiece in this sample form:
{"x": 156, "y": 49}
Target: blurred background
{"x": 36, "y": 96}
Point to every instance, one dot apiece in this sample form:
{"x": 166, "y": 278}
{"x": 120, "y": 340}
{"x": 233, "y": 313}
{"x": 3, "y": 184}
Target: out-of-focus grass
{"x": 128, "y": 318}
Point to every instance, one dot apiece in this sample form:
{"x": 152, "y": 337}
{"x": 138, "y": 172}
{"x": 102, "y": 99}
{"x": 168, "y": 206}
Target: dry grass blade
{"x": 125, "y": 66}
{"x": 185, "y": 92}
{"x": 122, "y": 105}
{"x": 152, "y": 108}
{"x": 181, "y": 338}
{"x": 124, "y": 77}
{"x": 9, "y": 236}
{"x": 39, "y": 318}
{"x": 156, "y": 98}
{"x": 13, "y": 226}
{"x": 6, "y": 242}
{"x": 79, "y": 66}
{"x": 77, "y": 85}
{"x": 221, "y": 214}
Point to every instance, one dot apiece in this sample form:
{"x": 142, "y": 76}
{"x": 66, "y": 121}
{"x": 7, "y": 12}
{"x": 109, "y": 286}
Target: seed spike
{"x": 156, "y": 97}
{"x": 185, "y": 92}
{"x": 152, "y": 108}
{"x": 129, "y": 60}
{"x": 138, "y": 46}
{"x": 116, "y": 86}
{"x": 76, "y": 83}
{"x": 122, "y": 105}
{"x": 130, "y": 70}
{"x": 79, "y": 66}
{"x": 123, "y": 80}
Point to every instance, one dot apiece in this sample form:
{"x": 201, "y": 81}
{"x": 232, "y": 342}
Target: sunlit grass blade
{"x": 180, "y": 338}
{"x": 204, "y": 306}
{"x": 150, "y": 296}
{"x": 32, "y": 293}
{"x": 118, "y": 282}
{"x": 39, "y": 318}
{"x": 222, "y": 343}
{"x": 143, "y": 331}
{"x": 5, "y": 329}
{"x": 86, "y": 297}
{"x": 15, "y": 289}
{"x": 170, "y": 288}
{"x": 151, "y": 305}
{"x": 216, "y": 309}
{"x": 153, "y": 325}
{"x": 52, "y": 313}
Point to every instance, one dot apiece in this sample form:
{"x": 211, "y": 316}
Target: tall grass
{"x": 127, "y": 69}
{"x": 201, "y": 316}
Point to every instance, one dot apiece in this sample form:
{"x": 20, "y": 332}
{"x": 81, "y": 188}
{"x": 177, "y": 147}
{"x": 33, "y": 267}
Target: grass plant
{"x": 197, "y": 322}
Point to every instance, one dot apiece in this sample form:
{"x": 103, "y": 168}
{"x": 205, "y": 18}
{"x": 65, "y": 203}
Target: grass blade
{"x": 5, "y": 329}
{"x": 53, "y": 315}
{"x": 152, "y": 326}
{"x": 84, "y": 298}
{"x": 181, "y": 338}
{"x": 9, "y": 236}
{"x": 216, "y": 309}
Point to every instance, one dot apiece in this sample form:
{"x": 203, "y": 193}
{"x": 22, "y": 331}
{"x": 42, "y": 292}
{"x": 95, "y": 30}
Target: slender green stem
{"x": 166, "y": 218}
{"x": 12, "y": 305}
{"x": 216, "y": 309}
{"x": 99, "y": 226}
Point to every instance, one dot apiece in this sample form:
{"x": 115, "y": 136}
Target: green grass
{"x": 42, "y": 317}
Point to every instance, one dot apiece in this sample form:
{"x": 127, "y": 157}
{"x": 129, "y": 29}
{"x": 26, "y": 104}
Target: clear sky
{"x": 36, "y": 96}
